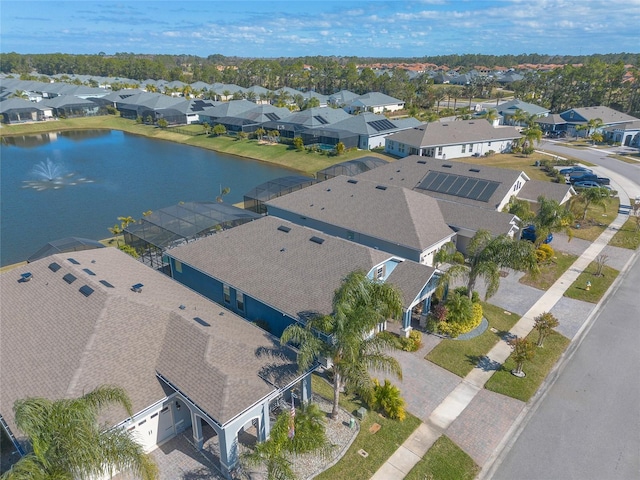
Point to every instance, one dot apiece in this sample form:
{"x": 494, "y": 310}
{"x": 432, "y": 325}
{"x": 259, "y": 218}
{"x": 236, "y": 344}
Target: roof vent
{"x": 25, "y": 277}
{"x": 446, "y": 165}
{"x": 284, "y": 229}
{"x": 182, "y": 307}
{"x": 381, "y": 187}
{"x": 474, "y": 170}
{"x": 471, "y": 123}
{"x": 86, "y": 270}
{"x": 201, "y": 322}
{"x": 86, "y": 290}
{"x": 445, "y": 124}
{"x": 351, "y": 180}
{"x": 137, "y": 287}
{"x": 69, "y": 278}
{"x": 317, "y": 240}
{"x": 74, "y": 261}
{"x": 106, "y": 284}
{"x": 423, "y": 162}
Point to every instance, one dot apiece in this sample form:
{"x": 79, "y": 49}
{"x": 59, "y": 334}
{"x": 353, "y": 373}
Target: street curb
{"x": 530, "y": 408}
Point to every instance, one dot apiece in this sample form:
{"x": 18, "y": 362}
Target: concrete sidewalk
{"x": 419, "y": 442}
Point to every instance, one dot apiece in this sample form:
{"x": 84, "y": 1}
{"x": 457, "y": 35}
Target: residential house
{"x": 18, "y": 110}
{"x": 454, "y": 139}
{"x": 375, "y": 102}
{"x": 278, "y": 273}
{"x": 342, "y": 98}
{"x": 69, "y": 106}
{"x": 393, "y": 219}
{"x": 369, "y": 131}
{"x": 579, "y": 117}
{"x": 72, "y": 322}
{"x": 293, "y": 125}
{"x": 627, "y": 134}
{"x": 509, "y": 110}
{"x": 350, "y": 167}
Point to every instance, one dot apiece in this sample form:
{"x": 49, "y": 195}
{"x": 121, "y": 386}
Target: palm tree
{"x": 68, "y": 442}
{"x": 359, "y": 305}
{"x": 532, "y": 134}
{"x": 490, "y": 115}
{"x": 551, "y": 217}
{"x": 486, "y": 255}
{"x": 591, "y": 196}
{"x": 308, "y": 435}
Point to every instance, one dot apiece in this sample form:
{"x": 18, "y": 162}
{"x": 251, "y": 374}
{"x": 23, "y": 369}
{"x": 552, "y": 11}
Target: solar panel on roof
{"x": 467, "y": 187}
{"x": 321, "y": 119}
{"x": 446, "y": 185}
{"x": 86, "y": 290}
{"x": 486, "y": 194}
{"x": 457, "y": 185}
{"x": 380, "y": 125}
{"x": 54, "y": 267}
{"x": 272, "y": 116}
{"x": 478, "y": 188}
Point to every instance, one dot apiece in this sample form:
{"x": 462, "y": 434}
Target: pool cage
{"x": 176, "y": 225}
{"x": 350, "y": 168}
{"x": 254, "y": 199}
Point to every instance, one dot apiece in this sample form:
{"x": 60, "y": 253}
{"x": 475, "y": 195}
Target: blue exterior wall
{"x": 254, "y": 310}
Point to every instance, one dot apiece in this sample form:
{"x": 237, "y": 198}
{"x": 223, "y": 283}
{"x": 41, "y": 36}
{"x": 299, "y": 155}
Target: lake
{"x": 64, "y": 184}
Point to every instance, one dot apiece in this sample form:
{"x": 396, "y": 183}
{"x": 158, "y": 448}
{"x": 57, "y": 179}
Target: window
{"x": 464, "y": 148}
{"x": 240, "y": 301}
{"x": 488, "y": 144}
{"x": 439, "y": 150}
{"x": 470, "y": 147}
{"x": 226, "y": 293}
{"x": 350, "y": 235}
{"x": 401, "y": 147}
{"x": 380, "y": 272}
{"x": 178, "y": 266}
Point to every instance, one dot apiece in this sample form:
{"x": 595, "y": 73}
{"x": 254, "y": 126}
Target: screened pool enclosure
{"x": 176, "y": 225}
{"x": 254, "y": 199}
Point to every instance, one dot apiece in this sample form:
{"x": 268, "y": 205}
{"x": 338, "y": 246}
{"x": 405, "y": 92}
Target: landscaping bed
{"x": 461, "y": 356}
{"x": 379, "y": 446}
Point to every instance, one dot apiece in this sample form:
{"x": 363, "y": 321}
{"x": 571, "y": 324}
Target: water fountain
{"x": 51, "y": 176}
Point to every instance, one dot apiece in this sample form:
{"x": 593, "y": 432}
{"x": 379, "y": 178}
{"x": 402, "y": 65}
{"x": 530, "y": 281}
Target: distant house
{"x": 576, "y": 117}
{"x": 342, "y": 98}
{"x": 627, "y": 134}
{"x": 278, "y": 273}
{"x": 68, "y": 106}
{"x": 455, "y": 139}
{"x": 18, "y": 110}
{"x": 293, "y": 125}
{"x": 385, "y": 217}
{"x": 508, "y": 111}
{"x": 375, "y": 102}
{"x": 99, "y": 317}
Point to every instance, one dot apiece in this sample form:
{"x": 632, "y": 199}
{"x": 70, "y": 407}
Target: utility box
{"x": 361, "y": 412}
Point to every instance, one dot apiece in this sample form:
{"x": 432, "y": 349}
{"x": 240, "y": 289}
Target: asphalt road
{"x": 587, "y": 425}
{"x": 627, "y": 174}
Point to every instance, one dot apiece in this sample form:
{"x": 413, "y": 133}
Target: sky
{"x": 293, "y": 28}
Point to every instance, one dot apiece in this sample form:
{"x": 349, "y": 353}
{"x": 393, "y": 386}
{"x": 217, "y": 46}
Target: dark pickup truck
{"x": 588, "y": 177}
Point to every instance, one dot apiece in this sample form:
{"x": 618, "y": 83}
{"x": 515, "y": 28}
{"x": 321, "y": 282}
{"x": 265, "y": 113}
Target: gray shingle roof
{"x": 410, "y": 277}
{"x": 57, "y": 343}
{"x": 606, "y": 114}
{"x": 549, "y": 190}
{"x": 283, "y": 269}
{"x": 395, "y": 214}
{"x": 409, "y": 172}
{"x": 459, "y": 216}
{"x": 434, "y": 134}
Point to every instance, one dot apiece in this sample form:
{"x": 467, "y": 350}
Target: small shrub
{"x": 129, "y": 250}
{"x": 387, "y": 398}
{"x": 413, "y": 343}
{"x": 458, "y": 257}
{"x": 544, "y": 253}
{"x": 490, "y": 153}
{"x": 475, "y": 296}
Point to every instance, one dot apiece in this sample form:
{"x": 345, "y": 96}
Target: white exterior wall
{"x": 449, "y": 151}
{"x": 426, "y": 257}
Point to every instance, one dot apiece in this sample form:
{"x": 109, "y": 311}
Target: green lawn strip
{"x": 536, "y": 369}
{"x": 380, "y": 446}
{"x": 596, "y": 221}
{"x": 550, "y": 271}
{"x": 461, "y": 356}
{"x": 626, "y": 159}
{"x": 599, "y": 284}
{"x": 444, "y": 461}
{"x": 628, "y": 236}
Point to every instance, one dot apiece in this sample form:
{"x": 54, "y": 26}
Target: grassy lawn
{"x": 596, "y": 221}
{"x": 461, "y": 356}
{"x": 444, "y": 461}
{"x": 628, "y": 236}
{"x": 599, "y": 285}
{"x": 627, "y": 158}
{"x": 281, "y": 155}
{"x": 550, "y": 271}
{"x": 380, "y": 446}
{"x": 536, "y": 369}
